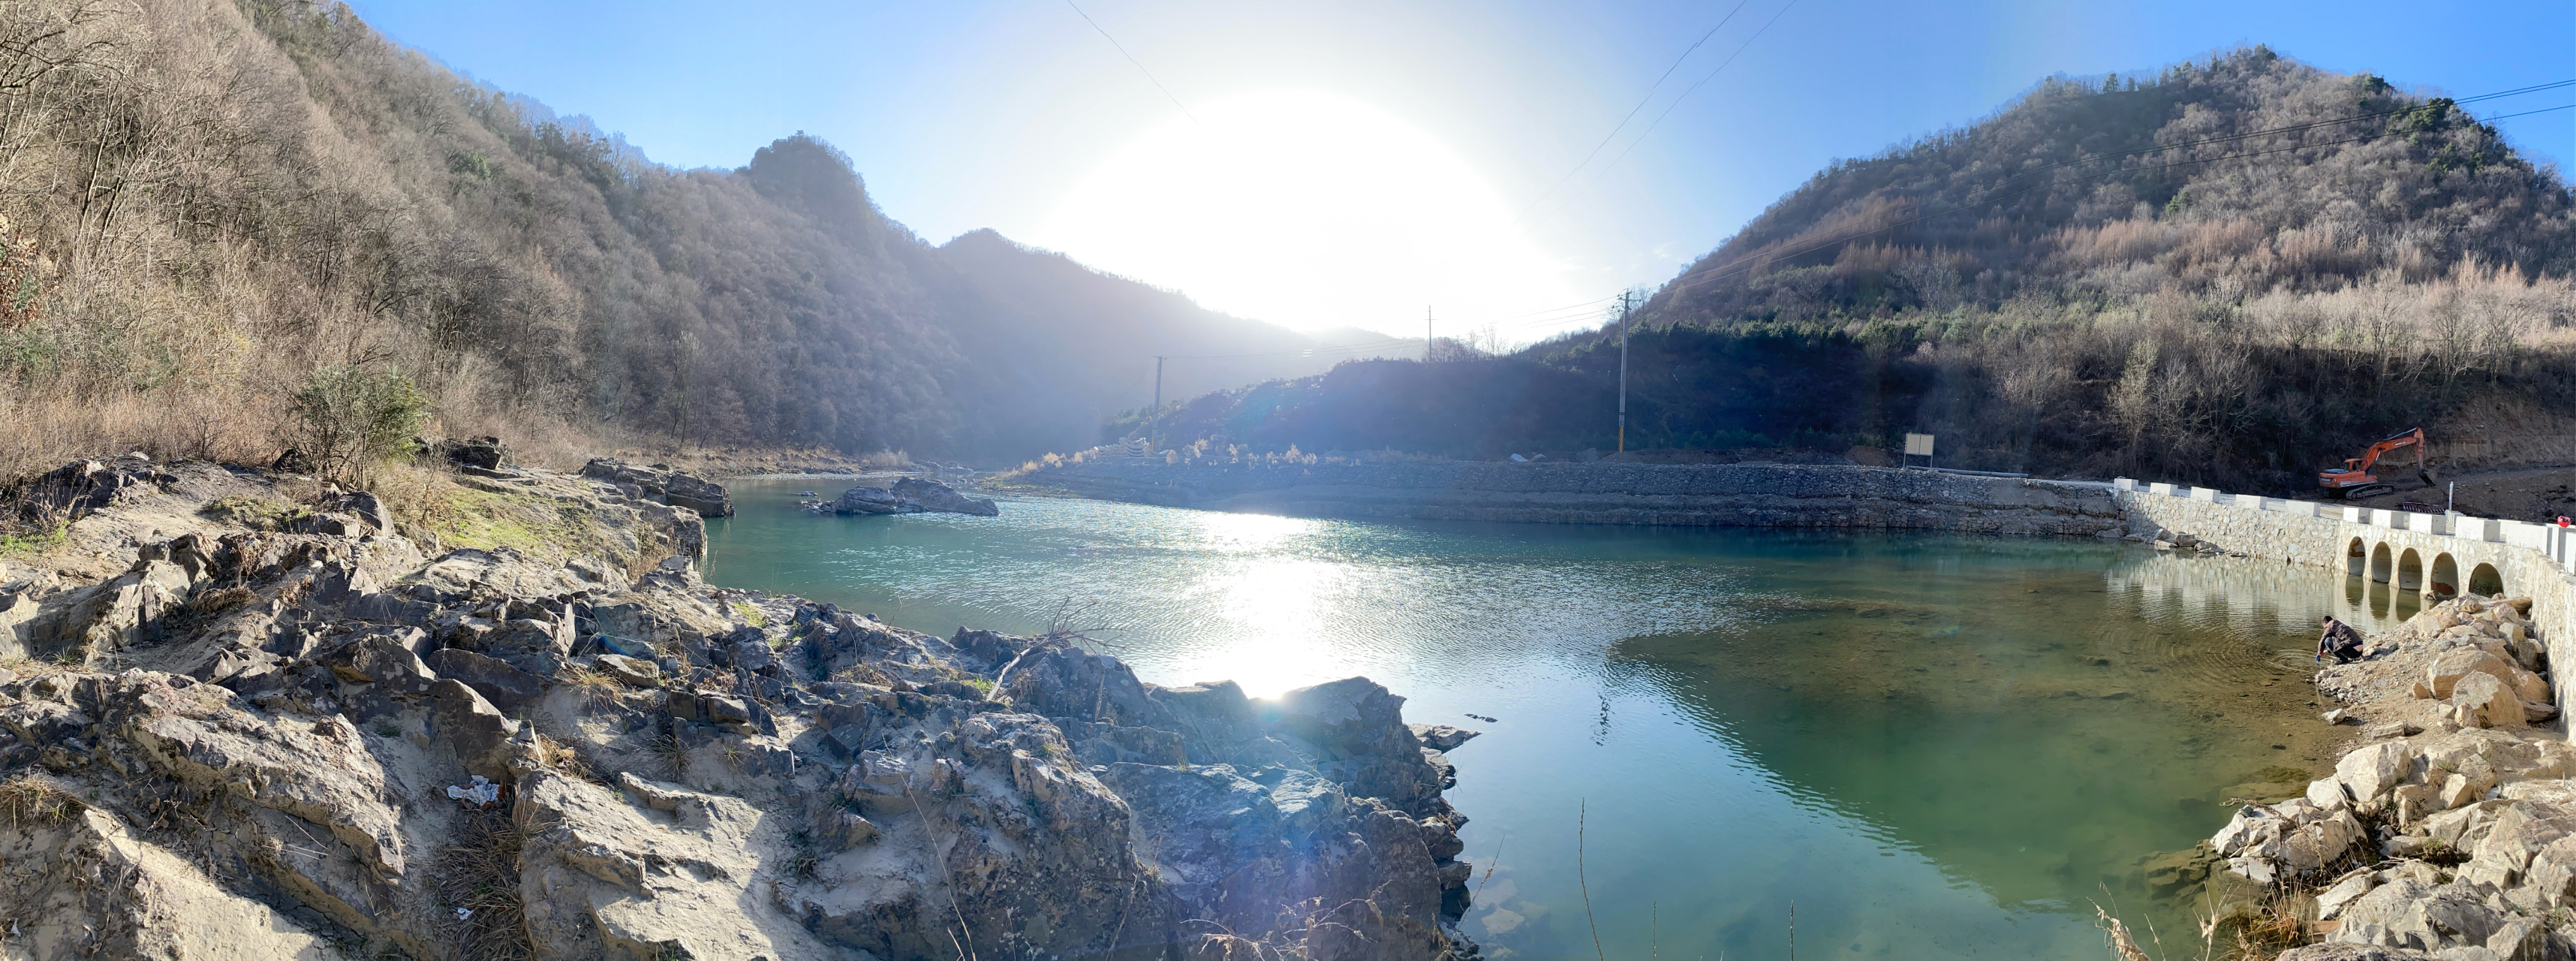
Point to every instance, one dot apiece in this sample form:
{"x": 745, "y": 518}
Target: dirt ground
{"x": 2522, "y": 494}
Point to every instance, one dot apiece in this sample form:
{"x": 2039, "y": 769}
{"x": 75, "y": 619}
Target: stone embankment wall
{"x": 2431, "y": 554}
{"x": 1704, "y": 495}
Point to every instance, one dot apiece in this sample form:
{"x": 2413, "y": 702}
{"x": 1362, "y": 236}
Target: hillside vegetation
{"x": 2226, "y": 273}
{"x": 206, "y": 202}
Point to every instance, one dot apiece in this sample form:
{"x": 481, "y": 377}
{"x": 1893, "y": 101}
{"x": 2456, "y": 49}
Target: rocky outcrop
{"x": 910, "y": 495}
{"x": 658, "y": 482}
{"x": 2452, "y": 832}
{"x": 480, "y": 453}
{"x": 268, "y": 743}
{"x": 1726, "y": 495}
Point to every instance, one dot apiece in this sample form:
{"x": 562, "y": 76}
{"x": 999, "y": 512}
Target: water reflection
{"x": 1935, "y": 747}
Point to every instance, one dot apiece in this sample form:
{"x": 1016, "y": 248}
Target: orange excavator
{"x": 2355, "y": 479}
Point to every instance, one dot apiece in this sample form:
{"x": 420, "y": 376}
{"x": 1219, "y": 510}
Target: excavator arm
{"x": 2355, "y": 479}
{"x": 2413, "y": 438}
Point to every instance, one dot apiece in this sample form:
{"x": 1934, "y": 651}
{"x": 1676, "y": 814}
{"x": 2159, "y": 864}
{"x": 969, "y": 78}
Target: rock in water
{"x": 1442, "y": 737}
{"x": 911, "y": 495}
{"x": 935, "y": 496}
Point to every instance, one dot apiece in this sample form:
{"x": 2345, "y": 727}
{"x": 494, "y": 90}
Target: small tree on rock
{"x": 347, "y": 420}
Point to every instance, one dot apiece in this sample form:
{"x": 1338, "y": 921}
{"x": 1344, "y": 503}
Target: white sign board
{"x": 1918, "y": 445}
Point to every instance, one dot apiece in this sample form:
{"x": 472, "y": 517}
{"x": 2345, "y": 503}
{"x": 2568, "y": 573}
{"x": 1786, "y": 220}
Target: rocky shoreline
{"x": 248, "y": 715}
{"x": 2448, "y": 832}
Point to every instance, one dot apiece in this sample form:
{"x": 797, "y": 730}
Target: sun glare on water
{"x": 1308, "y": 210}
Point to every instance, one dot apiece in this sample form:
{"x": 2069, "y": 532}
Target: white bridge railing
{"x": 2555, "y": 542}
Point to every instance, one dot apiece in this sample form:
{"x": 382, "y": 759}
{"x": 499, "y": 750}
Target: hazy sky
{"x": 1352, "y": 163}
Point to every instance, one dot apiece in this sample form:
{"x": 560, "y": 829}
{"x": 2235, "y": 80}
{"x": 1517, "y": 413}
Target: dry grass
{"x": 596, "y": 689}
{"x": 480, "y": 874}
{"x": 27, "y": 801}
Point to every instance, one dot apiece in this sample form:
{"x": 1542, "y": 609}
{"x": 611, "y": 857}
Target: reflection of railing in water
{"x": 2252, "y": 595}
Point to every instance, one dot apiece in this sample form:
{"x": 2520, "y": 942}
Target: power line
{"x": 1140, "y": 66}
{"x": 1712, "y": 75}
{"x": 1632, "y": 112}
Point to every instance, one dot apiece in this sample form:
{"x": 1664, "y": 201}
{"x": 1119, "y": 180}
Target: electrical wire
{"x": 1632, "y": 112}
{"x": 1712, "y": 75}
{"x": 1140, "y": 65}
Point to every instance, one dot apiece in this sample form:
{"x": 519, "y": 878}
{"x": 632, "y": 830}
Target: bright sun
{"x": 1308, "y": 210}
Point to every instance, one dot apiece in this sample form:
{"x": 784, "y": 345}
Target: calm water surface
{"x": 1933, "y": 747}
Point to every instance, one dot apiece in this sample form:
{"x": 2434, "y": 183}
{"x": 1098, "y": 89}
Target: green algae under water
{"x": 1933, "y": 746}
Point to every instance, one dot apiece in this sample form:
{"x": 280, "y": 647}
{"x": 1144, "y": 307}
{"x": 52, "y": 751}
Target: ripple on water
{"x": 1936, "y": 747}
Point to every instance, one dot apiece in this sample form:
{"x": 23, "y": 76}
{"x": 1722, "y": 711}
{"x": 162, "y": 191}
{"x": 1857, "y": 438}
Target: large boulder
{"x": 910, "y": 495}
{"x": 661, "y": 484}
{"x": 2409, "y": 914}
{"x": 2370, "y": 771}
{"x": 2482, "y": 700}
{"x": 935, "y": 496}
{"x": 2450, "y": 666}
{"x": 2277, "y": 843}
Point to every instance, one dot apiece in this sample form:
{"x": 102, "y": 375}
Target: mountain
{"x": 2226, "y": 272}
{"x": 210, "y": 201}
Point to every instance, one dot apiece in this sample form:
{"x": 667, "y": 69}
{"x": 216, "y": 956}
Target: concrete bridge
{"x": 2432, "y": 556}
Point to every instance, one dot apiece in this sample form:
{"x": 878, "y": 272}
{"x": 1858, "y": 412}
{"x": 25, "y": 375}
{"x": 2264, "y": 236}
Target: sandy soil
{"x": 2523, "y": 494}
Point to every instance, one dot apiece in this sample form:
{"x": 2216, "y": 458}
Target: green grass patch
{"x": 530, "y": 524}
{"x": 751, "y": 614}
{"x": 32, "y": 542}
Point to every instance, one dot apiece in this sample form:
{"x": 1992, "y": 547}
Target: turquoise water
{"x": 1927, "y": 746}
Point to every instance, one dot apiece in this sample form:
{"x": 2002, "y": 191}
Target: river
{"x": 1925, "y": 746}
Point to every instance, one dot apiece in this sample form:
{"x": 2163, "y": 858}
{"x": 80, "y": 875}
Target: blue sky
{"x": 1355, "y": 163}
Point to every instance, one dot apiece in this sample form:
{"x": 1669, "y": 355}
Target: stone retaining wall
{"x": 2421, "y": 553}
{"x": 1704, "y": 495}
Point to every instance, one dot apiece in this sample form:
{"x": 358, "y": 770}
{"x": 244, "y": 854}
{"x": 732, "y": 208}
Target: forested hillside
{"x": 2226, "y": 272}
{"x": 206, "y": 202}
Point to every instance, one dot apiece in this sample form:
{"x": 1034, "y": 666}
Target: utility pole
{"x": 1623, "y": 371}
{"x": 1426, "y": 333}
{"x": 1157, "y": 429}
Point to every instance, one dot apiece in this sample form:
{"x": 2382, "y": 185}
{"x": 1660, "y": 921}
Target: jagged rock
{"x": 662, "y": 484}
{"x": 84, "y": 885}
{"x": 510, "y": 689}
{"x": 630, "y": 671}
{"x": 777, "y": 817}
{"x": 868, "y": 500}
{"x": 1442, "y": 737}
{"x": 2409, "y": 914}
{"x": 610, "y": 877}
{"x": 2332, "y": 951}
{"x": 2481, "y": 700}
{"x": 2450, "y": 666}
{"x": 935, "y": 496}
{"x": 911, "y": 496}
{"x": 2274, "y": 843}
{"x": 2370, "y": 771}
{"x": 471, "y": 726}
{"x": 2344, "y": 892}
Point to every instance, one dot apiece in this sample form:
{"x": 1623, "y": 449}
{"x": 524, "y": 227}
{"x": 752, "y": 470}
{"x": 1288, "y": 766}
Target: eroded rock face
{"x": 661, "y": 484}
{"x": 357, "y": 741}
